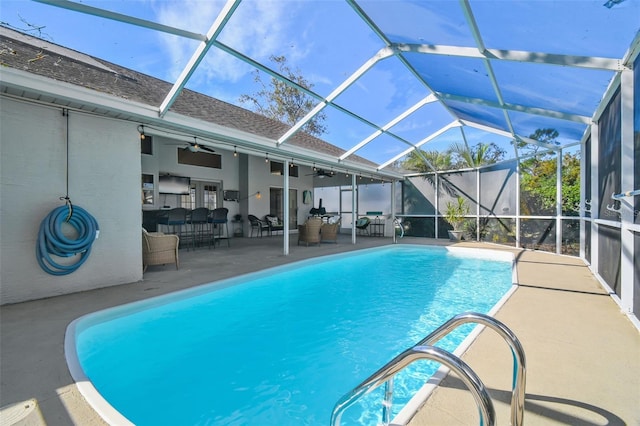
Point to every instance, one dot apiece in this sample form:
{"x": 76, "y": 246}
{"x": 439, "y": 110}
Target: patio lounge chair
{"x": 309, "y": 233}
{"x": 159, "y": 249}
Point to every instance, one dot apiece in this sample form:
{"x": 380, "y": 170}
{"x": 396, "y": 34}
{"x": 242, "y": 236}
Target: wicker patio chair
{"x": 159, "y": 249}
{"x": 309, "y": 233}
{"x": 329, "y": 232}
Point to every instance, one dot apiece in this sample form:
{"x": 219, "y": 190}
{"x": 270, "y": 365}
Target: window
{"x": 201, "y": 194}
{"x": 202, "y": 159}
{"x": 146, "y": 145}
{"x": 147, "y": 189}
{"x": 210, "y": 196}
{"x": 278, "y": 168}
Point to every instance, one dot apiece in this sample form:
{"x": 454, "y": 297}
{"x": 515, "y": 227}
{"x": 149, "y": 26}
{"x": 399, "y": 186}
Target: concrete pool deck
{"x": 583, "y": 353}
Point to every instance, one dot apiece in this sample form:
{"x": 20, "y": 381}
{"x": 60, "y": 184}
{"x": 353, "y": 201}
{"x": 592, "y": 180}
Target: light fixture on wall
{"x": 141, "y": 131}
{"x": 255, "y": 194}
{"x": 291, "y": 165}
{"x": 315, "y": 169}
{"x": 346, "y": 174}
{"x": 235, "y": 152}
{"x": 266, "y": 158}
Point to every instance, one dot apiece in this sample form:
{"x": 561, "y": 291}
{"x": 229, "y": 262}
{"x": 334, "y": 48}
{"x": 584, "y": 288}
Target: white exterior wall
{"x": 104, "y": 179}
{"x": 261, "y": 179}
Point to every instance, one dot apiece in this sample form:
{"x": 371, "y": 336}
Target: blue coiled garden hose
{"x": 51, "y": 240}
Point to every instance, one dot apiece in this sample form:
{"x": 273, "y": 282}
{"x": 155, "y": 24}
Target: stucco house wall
{"x": 104, "y": 179}
{"x": 261, "y": 179}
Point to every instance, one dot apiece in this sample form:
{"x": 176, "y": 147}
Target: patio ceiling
{"x": 389, "y": 76}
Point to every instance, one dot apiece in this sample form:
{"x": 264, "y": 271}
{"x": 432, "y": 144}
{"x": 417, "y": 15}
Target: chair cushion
{"x": 273, "y": 221}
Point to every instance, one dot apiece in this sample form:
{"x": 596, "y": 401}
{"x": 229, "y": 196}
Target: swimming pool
{"x": 279, "y": 347}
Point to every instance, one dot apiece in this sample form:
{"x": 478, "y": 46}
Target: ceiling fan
{"x": 196, "y": 147}
{"x": 321, "y": 173}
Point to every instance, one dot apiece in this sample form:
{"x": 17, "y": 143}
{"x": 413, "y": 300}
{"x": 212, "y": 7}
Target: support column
{"x": 354, "y": 213}
{"x": 477, "y": 204}
{"x": 583, "y": 200}
{"x": 559, "y": 202}
{"x": 518, "y": 203}
{"x": 595, "y": 196}
{"x": 285, "y": 207}
{"x": 393, "y": 211}
{"x": 437, "y": 203}
{"x": 627, "y": 217}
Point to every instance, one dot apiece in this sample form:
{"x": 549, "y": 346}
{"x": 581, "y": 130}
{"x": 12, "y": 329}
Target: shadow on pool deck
{"x": 583, "y": 354}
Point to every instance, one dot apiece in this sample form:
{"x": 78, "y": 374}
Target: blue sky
{"x": 327, "y": 42}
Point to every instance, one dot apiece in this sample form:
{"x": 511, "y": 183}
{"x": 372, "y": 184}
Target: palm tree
{"x": 479, "y": 155}
{"x": 439, "y": 160}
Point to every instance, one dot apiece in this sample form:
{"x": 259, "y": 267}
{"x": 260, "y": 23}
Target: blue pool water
{"x": 280, "y": 347}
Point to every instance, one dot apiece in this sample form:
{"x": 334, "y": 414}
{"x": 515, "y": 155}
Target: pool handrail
{"x": 519, "y": 367}
{"x": 420, "y": 352}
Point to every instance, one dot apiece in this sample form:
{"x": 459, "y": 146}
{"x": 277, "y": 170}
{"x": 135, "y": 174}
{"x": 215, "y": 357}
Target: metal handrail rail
{"x": 486, "y": 410}
{"x": 519, "y": 361}
{"x": 519, "y": 367}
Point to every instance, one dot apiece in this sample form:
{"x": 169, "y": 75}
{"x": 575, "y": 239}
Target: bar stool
{"x": 200, "y": 226}
{"x": 217, "y": 218}
{"x": 175, "y": 217}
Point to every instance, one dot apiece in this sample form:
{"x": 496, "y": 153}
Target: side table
{"x": 238, "y": 230}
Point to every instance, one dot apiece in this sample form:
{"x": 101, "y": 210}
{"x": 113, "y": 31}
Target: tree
{"x": 283, "y": 102}
{"x": 479, "y": 155}
{"x": 547, "y": 136}
{"x": 29, "y": 28}
{"x": 538, "y": 176}
{"x": 416, "y": 161}
{"x": 458, "y": 156}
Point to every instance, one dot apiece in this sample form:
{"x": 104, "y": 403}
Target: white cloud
{"x": 256, "y": 29}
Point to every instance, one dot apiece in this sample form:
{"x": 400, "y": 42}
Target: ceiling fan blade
{"x": 320, "y": 173}
{"x": 206, "y": 148}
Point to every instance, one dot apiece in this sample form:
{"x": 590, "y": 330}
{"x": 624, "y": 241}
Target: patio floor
{"x": 583, "y": 353}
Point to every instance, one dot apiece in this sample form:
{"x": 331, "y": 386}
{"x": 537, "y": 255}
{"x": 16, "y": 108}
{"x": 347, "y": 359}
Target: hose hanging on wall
{"x": 52, "y": 241}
